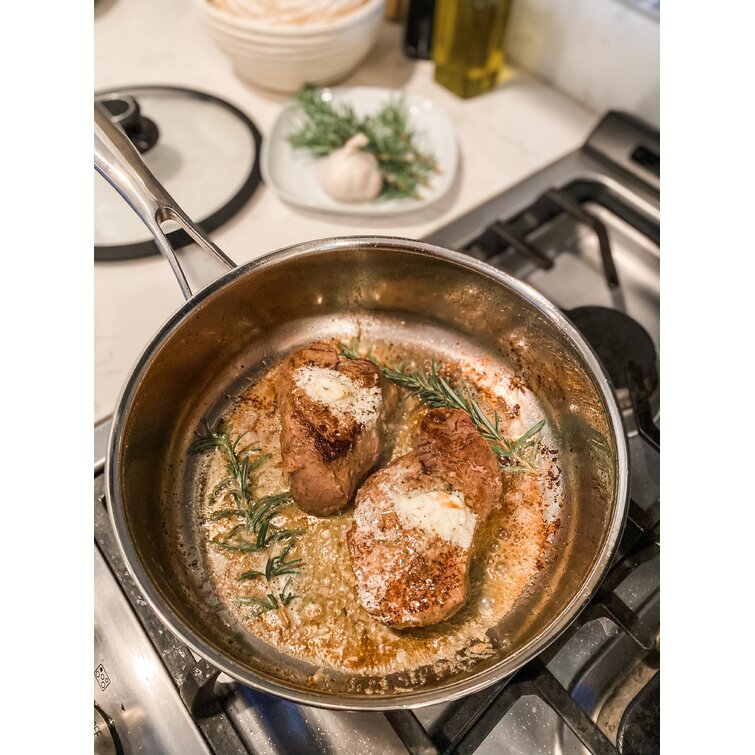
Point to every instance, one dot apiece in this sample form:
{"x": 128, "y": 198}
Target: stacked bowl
{"x": 283, "y": 44}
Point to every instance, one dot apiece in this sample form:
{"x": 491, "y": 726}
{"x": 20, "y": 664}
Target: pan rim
{"x": 341, "y": 701}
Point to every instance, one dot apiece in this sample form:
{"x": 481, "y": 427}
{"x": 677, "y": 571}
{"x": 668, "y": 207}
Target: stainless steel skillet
{"x": 251, "y": 316}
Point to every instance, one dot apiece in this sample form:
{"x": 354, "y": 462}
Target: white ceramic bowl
{"x": 284, "y": 57}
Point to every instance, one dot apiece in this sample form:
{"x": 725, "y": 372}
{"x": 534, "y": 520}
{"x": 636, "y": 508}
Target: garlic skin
{"x": 350, "y": 175}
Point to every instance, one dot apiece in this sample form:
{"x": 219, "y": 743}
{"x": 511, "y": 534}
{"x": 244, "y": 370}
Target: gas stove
{"x": 585, "y": 232}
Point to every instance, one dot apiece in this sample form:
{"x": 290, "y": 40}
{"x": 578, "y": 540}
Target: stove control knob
{"x": 106, "y": 740}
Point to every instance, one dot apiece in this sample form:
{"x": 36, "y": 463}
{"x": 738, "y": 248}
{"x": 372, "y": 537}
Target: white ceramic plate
{"x": 292, "y": 173}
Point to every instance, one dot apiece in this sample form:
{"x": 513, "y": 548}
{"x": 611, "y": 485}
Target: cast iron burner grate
{"x": 513, "y": 233}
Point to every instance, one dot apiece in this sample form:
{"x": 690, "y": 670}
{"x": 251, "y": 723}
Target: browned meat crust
{"x": 327, "y": 454}
{"x": 406, "y": 576}
{"x": 448, "y": 444}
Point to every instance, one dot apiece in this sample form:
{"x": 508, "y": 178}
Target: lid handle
{"x": 125, "y": 111}
{"x": 119, "y": 163}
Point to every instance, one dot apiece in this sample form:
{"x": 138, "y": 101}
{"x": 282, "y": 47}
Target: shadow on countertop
{"x": 101, "y": 7}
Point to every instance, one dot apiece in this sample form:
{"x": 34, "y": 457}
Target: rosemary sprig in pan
{"x": 241, "y": 545}
{"x": 327, "y": 127}
{"x": 271, "y": 602}
{"x": 436, "y": 391}
{"x": 268, "y": 502}
{"x": 276, "y": 566}
{"x": 239, "y": 466}
{"x": 256, "y": 513}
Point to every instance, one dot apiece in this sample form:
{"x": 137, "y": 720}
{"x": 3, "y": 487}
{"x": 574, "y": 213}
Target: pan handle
{"x": 116, "y": 159}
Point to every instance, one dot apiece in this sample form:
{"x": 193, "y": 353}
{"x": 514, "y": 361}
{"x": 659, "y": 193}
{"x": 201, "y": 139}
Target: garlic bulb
{"x": 350, "y": 175}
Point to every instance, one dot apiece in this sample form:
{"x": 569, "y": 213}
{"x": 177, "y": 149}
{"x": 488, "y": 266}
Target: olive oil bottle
{"x": 468, "y": 44}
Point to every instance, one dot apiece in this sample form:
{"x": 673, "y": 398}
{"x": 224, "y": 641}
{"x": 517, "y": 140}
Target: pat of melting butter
{"x": 329, "y": 388}
{"x": 339, "y": 393}
{"x": 438, "y": 513}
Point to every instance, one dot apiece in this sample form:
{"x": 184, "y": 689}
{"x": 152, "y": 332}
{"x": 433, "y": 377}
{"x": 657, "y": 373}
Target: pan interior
{"x": 422, "y": 305}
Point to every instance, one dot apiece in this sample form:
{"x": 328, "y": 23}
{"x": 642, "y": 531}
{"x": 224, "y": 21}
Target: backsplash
{"x": 604, "y": 53}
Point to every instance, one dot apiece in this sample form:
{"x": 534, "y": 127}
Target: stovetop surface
{"x": 569, "y": 231}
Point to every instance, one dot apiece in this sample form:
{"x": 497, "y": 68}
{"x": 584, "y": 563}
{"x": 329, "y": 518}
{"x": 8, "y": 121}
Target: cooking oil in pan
{"x": 325, "y": 625}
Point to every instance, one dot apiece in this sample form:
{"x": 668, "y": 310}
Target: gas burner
{"x": 619, "y": 341}
{"x": 639, "y": 730}
{"x": 628, "y": 354}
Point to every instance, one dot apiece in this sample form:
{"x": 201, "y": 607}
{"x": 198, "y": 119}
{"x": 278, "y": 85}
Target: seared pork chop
{"x": 415, "y": 522}
{"x": 333, "y": 412}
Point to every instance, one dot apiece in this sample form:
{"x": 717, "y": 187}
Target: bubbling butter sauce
{"x": 326, "y": 626}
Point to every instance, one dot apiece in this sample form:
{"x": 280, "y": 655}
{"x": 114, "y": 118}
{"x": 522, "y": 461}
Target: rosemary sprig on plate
{"x": 326, "y": 127}
{"x": 256, "y": 513}
{"x": 437, "y": 391}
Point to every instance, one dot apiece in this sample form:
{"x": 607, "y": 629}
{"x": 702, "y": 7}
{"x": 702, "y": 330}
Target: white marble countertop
{"x": 503, "y": 137}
